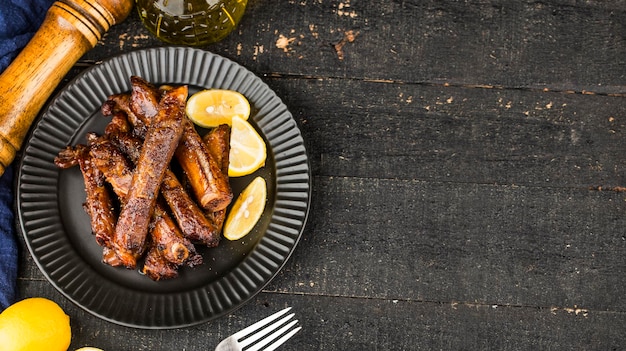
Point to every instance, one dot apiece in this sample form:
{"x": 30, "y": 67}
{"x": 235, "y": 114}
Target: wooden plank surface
{"x": 467, "y": 169}
{"x": 559, "y": 44}
{"x": 341, "y": 323}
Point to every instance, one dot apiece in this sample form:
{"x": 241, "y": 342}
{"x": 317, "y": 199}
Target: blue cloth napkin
{"x": 19, "y": 20}
{"x": 8, "y": 244}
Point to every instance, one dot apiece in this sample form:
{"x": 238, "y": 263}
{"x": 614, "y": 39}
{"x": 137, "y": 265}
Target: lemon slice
{"x": 210, "y": 108}
{"x": 247, "y": 210}
{"x": 247, "y": 149}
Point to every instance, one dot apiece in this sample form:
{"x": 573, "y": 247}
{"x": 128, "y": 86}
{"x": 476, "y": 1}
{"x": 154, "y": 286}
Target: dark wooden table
{"x": 468, "y": 175}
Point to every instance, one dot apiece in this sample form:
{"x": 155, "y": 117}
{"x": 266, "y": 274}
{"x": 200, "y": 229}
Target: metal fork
{"x": 255, "y": 336}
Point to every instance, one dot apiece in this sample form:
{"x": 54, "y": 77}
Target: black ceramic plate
{"x": 57, "y": 231}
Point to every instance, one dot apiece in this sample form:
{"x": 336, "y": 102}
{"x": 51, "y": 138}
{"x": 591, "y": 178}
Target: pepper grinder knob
{"x": 69, "y": 30}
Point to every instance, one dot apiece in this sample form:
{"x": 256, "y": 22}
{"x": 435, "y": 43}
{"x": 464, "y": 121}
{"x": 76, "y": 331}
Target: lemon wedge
{"x": 210, "y": 108}
{"x": 247, "y": 210}
{"x": 247, "y": 149}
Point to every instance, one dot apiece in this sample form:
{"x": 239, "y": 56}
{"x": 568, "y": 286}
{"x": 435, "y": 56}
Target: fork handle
{"x": 69, "y": 30}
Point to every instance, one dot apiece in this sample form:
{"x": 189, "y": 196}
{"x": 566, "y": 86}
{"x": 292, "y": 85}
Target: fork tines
{"x": 281, "y": 331}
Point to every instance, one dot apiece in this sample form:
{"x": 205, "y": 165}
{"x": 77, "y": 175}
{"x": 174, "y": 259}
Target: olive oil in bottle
{"x": 191, "y": 22}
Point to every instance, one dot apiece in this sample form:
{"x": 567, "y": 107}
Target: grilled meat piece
{"x": 119, "y": 123}
{"x": 161, "y": 141}
{"x": 144, "y": 98}
{"x": 168, "y": 237}
{"x": 66, "y": 158}
{"x": 217, "y": 218}
{"x": 218, "y": 146}
{"x": 122, "y": 103}
{"x": 110, "y": 257}
{"x": 156, "y": 267}
{"x": 99, "y": 203}
{"x": 117, "y": 169}
{"x": 189, "y": 216}
{"x": 210, "y": 185}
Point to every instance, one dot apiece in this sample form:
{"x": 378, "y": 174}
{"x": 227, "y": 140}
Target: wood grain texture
{"x": 556, "y": 45}
{"x": 468, "y": 175}
{"x": 339, "y": 323}
{"x": 456, "y": 134}
{"x": 522, "y": 246}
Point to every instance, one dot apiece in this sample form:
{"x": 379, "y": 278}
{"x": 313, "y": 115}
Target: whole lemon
{"x": 34, "y": 324}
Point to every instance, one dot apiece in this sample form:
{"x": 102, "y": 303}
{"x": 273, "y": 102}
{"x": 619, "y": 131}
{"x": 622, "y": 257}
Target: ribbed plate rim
{"x": 54, "y": 258}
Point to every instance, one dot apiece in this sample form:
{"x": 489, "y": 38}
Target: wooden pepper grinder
{"x": 70, "y": 29}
